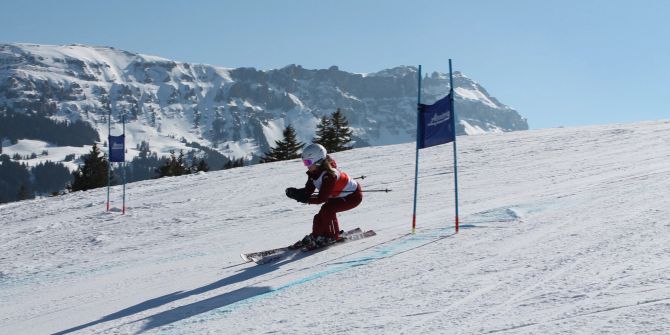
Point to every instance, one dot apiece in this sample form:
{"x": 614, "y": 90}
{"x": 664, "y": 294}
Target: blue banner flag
{"x": 436, "y": 124}
{"x": 117, "y": 148}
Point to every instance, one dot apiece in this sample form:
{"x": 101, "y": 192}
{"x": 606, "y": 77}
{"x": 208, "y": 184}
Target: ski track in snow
{"x": 563, "y": 231}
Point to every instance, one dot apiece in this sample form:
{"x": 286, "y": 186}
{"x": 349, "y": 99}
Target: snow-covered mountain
{"x": 563, "y": 231}
{"x": 238, "y": 111}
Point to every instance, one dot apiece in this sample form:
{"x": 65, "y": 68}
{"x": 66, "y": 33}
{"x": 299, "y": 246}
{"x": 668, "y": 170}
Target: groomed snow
{"x": 563, "y": 231}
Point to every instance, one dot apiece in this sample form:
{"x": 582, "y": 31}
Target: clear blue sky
{"x": 559, "y": 63}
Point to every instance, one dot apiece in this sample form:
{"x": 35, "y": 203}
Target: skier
{"x": 337, "y": 192}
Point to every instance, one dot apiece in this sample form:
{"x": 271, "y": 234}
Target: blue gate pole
{"x": 123, "y": 209}
{"x": 451, "y": 89}
{"x": 109, "y": 153}
{"x": 416, "y": 163}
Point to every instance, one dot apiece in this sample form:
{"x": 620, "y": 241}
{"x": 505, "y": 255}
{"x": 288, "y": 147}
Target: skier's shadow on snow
{"x": 197, "y": 307}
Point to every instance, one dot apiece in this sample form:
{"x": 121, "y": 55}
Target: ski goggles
{"x": 310, "y": 162}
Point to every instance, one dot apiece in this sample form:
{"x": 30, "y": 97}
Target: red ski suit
{"x": 337, "y": 194}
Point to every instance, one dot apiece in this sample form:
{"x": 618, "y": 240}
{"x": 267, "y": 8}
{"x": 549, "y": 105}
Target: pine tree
{"x": 92, "y": 174}
{"x": 13, "y": 175}
{"x": 233, "y": 163}
{"x": 24, "y": 192}
{"x": 144, "y": 149}
{"x": 285, "y": 149}
{"x": 341, "y": 132}
{"x": 153, "y": 117}
{"x": 196, "y": 118}
{"x": 181, "y": 164}
{"x": 325, "y": 135}
{"x": 174, "y": 166}
{"x": 218, "y": 126}
{"x": 334, "y": 132}
{"x": 199, "y": 165}
{"x": 50, "y": 177}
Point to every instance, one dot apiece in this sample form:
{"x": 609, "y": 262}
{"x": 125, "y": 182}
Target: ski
{"x": 249, "y": 257}
{"x": 267, "y": 256}
{"x": 357, "y": 234}
{"x": 255, "y": 256}
{"x": 291, "y": 252}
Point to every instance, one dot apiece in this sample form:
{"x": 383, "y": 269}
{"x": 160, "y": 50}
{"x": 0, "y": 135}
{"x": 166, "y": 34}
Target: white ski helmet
{"x": 313, "y": 154}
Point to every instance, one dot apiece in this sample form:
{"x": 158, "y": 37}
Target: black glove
{"x": 291, "y": 192}
{"x": 298, "y": 195}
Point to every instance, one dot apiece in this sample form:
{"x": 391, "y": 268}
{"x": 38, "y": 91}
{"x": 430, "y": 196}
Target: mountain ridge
{"x": 239, "y": 112}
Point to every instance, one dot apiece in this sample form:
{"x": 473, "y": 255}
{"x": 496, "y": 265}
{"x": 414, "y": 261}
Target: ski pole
{"x": 386, "y": 190}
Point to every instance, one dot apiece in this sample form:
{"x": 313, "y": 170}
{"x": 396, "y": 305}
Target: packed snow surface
{"x": 563, "y": 231}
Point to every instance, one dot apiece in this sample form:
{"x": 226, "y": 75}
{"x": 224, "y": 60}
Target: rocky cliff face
{"x": 239, "y": 112}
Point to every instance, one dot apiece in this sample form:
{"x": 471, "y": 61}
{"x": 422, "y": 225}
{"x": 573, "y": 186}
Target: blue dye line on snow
{"x": 382, "y": 252}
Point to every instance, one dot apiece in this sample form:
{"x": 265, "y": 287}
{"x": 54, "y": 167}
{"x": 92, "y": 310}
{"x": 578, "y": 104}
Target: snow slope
{"x": 564, "y": 231}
